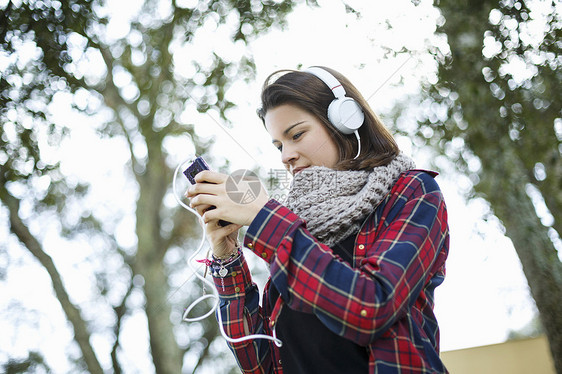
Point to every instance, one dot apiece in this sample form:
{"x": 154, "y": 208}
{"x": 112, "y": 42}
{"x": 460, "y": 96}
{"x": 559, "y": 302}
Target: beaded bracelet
{"x": 218, "y": 264}
{"x": 222, "y": 262}
{"x": 227, "y": 259}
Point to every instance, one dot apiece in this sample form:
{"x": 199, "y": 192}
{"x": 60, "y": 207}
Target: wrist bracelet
{"x": 225, "y": 258}
{"x": 218, "y": 266}
{"x": 229, "y": 257}
{"x": 222, "y": 261}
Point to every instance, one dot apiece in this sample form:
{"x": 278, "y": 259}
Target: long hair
{"x": 308, "y": 92}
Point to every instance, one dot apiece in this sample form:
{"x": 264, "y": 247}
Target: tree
{"x": 495, "y": 109}
{"x": 149, "y": 79}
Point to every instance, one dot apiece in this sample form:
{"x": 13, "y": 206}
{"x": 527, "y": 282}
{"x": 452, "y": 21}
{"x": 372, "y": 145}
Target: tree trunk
{"x": 149, "y": 264}
{"x": 536, "y": 251}
{"x": 504, "y": 176}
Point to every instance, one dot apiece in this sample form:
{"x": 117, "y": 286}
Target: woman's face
{"x": 301, "y": 137}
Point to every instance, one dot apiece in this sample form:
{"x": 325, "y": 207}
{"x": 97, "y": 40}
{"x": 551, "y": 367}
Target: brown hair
{"x": 305, "y": 90}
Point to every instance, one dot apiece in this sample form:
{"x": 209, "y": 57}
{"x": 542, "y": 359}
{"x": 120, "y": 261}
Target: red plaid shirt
{"x": 399, "y": 259}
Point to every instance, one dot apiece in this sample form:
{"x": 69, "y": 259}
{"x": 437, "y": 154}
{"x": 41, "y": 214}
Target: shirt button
{"x": 234, "y": 273}
{"x": 361, "y": 247}
{"x": 237, "y": 289}
{"x": 264, "y": 255}
{"x": 363, "y": 313}
{"x": 250, "y": 245}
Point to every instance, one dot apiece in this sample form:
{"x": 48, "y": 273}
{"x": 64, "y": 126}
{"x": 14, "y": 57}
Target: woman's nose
{"x": 289, "y": 155}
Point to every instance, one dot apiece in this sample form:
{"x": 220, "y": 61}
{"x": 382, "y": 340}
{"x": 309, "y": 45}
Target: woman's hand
{"x": 210, "y": 198}
{"x": 223, "y": 239}
{"x": 211, "y": 191}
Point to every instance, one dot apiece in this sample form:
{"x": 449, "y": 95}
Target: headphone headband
{"x": 333, "y": 84}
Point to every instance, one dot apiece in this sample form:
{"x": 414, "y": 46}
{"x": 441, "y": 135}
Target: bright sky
{"x": 485, "y": 294}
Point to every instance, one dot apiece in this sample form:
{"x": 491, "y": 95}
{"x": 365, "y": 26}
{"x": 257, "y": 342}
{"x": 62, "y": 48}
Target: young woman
{"x": 355, "y": 252}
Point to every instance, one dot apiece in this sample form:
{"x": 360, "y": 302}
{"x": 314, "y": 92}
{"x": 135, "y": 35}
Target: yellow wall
{"x": 525, "y": 356}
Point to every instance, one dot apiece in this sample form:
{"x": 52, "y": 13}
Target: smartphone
{"x": 195, "y": 168}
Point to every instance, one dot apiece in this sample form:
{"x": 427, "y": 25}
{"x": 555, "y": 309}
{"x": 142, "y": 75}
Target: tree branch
{"x": 81, "y": 332}
{"x": 120, "y": 312}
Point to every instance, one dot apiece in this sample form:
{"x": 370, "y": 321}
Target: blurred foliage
{"x": 29, "y": 79}
{"x": 31, "y": 364}
{"x": 141, "y": 85}
{"x": 531, "y": 330}
{"x": 510, "y": 73}
{"x": 494, "y": 108}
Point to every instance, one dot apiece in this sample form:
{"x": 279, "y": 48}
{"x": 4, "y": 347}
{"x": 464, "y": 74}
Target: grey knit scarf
{"x": 334, "y": 204}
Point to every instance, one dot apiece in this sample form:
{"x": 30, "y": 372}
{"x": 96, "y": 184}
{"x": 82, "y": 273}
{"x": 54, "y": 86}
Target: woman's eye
{"x": 297, "y": 135}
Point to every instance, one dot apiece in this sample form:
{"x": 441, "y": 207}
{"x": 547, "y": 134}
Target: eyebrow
{"x": 288, "y": 129}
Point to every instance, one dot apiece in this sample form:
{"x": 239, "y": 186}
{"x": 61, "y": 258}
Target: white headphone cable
{"x": 356, "y": 132}
{"x": 215, "y": 294}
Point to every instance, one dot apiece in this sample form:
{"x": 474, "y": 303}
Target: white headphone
{"x": 343, "y": 112}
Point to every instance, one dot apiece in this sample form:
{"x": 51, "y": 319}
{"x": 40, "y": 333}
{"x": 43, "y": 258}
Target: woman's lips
{"x": 300, "y": 168}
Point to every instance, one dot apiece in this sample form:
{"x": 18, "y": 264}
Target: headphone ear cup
{"x": 346, "y": 115}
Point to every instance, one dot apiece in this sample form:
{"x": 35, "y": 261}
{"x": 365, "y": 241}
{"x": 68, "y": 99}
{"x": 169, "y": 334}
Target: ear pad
{"x": 343, "y": 112}
{"x": 346, "y": 115}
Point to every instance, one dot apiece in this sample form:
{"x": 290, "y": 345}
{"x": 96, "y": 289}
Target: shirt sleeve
{"x": 242, "y": 315}
{"x": 361, "y": 303}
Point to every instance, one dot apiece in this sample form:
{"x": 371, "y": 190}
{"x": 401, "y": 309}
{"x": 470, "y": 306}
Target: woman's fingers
{"x": 205, "y": 204}
{"x": 223, "y": 240}
{"x": 205, "y": 188}
{"x": 211, "y": 177}
{"x": 216, "y": 231}
{"x": 211, "y": 191}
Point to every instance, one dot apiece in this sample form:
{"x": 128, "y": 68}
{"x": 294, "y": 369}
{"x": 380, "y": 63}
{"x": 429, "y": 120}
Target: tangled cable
{"x": 215, "y": 294}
